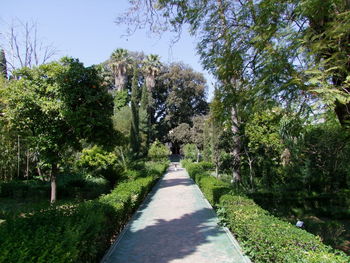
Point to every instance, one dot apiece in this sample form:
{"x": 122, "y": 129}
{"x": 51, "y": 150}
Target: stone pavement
{"x": 175, "y": 224}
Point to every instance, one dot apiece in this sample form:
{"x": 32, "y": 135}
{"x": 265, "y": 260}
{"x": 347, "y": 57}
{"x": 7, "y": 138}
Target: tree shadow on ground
{"x": 165, "y": 241}
{"x": 175, "y": 182}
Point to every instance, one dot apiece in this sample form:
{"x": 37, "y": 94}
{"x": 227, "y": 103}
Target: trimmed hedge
{"x": 80, "y": 233}
{"x": 68, "y": 186}
{"x": 264, "y": 238}
{"x": 335, "y": 205}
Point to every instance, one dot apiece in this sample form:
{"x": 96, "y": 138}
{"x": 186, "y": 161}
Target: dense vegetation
{"x": 88, "y": 138}
{"x": 77, "y": 232}
{"x": 277, "y": 131}
{"x": 264, "y": 237}
{"x": 278, "y": 126}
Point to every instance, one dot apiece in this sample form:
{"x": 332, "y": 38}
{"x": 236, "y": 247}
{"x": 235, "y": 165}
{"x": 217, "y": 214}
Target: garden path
{"x": 175, "y": 224}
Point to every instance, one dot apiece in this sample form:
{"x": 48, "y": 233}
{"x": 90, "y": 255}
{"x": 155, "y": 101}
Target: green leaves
{"x": 158, "y": 151}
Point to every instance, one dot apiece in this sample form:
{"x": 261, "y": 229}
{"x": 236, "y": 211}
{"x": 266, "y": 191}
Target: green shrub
{"x": 71, "y": 234}
{"x": 190, "y": 151}
{"x": 158, "y": 151}
{"x": 100, "y": 163}
{"x": 264, "y": 238}
{"x": 23, "y": 189}
{"x": 212, "y": 188}
{"x": 76, "y": 233}
{"x": 69, "y": 186}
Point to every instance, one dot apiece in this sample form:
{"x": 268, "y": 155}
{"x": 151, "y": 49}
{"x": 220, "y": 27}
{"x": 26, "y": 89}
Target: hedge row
{"x": 335, "y": 205}
{"x": 79, "y": 233}
{"x": 263, "y": 237}
{"x": 68, "y": 186}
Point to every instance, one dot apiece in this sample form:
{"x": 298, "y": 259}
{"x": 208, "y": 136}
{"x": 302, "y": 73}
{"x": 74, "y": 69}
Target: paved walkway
{"x": 175, "y": 224}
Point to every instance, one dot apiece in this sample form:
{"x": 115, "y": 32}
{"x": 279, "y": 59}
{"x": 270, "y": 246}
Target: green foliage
{"x": 69, "y": 186}
{"x": 263, "y": 237}
{"x": 320, "y": 172}
{"x": 158, "y": 151}
{"x": 46, "y": 105}
{"x": 144, "y": 98}
{"x": 100, "y": 163}
{"x": 181, "y": 134}
{"x": 121, "y": 99}
{"x": 262, "y": 131}
{"x": 135, "y": 129}
{"x": 212, "y": 188}
{"x": 122, "y": 121}
{"x": 179, "y": 95}
{"x": 190, "y": 151}
{"x": 266, "y": 238}
{"x": 71, "y": 234}
{"x": 76, "y": 233}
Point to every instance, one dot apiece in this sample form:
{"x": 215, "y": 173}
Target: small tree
{"x": 99, "y": 163}
{"x": 158, "y": 151}
{"x": 134, "y": 129}
{"x": 190, "y": 152}
{"x": 59, "y": 104}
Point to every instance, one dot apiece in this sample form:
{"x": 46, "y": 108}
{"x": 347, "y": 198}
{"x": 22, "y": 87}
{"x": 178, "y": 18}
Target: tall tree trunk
{"x": 232, "y": 81}
{"x": 53, "y": 177}
{"x": 236, "y": 150}
{"x": 119, "y": 82}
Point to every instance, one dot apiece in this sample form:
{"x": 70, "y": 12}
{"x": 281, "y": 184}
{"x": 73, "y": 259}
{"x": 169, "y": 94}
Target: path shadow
{"x": 175, "y": 182}
{"x": 165, "y": 241}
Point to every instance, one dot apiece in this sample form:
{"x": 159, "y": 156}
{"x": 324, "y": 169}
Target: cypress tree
{"x": 3, "y": 67}
{"x": 134, "y": 132}
{"x": 144, "y": 98}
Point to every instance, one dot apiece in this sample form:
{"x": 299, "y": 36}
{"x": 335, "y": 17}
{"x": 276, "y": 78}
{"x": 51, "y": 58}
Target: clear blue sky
{"x": 85, "y": 29}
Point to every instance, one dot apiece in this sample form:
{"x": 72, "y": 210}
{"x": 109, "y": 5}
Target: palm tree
{"x": 151, "y": 67}
{"x": 120, "y": 62}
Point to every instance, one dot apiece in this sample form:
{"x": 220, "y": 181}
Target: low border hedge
{"x": 264, "y": 238}
{"x": 80, "y": 233}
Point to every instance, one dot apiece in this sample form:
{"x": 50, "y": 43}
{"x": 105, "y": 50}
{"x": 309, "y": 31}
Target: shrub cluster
{"x": 264, "y": 237}
{"x": 158, "y": 151}
{"x": 335, "y": 205}
{"x": 69, "y": 186}
{"x": 79, "y": 233}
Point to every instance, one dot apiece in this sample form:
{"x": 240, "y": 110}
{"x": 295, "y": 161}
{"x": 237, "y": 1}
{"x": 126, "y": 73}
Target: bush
{"x": 190, "y": 151}
{"x": 100, "y": 163}
{"x": 72, "y": 234}
{"x": 68, "y": 186}
{"x": 158, "y": 151}
{"x": 264, "y": 237}
{"x": 77, "y": 233}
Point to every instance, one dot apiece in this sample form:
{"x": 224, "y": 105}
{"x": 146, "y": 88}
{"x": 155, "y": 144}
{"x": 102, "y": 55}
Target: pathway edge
{"x": 228, "y": 232}
{"x": 127, "y": 226}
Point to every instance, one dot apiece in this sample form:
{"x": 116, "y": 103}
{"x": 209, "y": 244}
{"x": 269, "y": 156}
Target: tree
{"x": 190, "y": 152}
{"x": 23, "y": 46}
{"x": 158, "y": 151}
{"x": 120, "y": 62}
{"x": 3, "y": 64}
{"x": 180, "y": 95}
{"x": 59, "y": 104}
{"x": 180, "y": 136}
{"x": 151, "y": 67}
{"x": 134, "y": 129}
{"x": 327, "y": 39}
{"x": 216, "y": 22}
